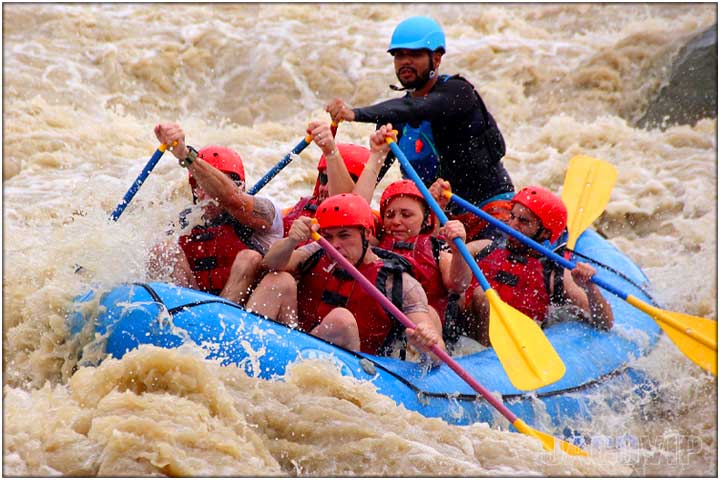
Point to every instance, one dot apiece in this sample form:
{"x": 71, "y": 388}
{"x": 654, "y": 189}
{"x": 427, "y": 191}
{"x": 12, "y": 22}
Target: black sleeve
{"x": 452, "y": 98}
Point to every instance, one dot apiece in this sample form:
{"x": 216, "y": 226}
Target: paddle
{"x": 527, "y": 356}
{"x": 548, "y": 442}
{"x": 587, "y": 187}
{"x": 586, "y": 192}
{"x": 286, "y": 160}
{"x": 138, "y": 182}
{"x": 696, "y": 337}
{"x": 280, "y": 165}
{"x": 133, "y": 189}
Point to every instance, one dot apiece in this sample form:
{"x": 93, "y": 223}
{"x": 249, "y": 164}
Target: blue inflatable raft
{"x": 596, "y": 362}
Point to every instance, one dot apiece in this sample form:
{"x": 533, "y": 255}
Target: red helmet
{"x": 407, "y": 188}
{"x": 354, "y": 156}
{"x": 345, "y": 210}
{"x": 547, "y": 206}
{"x": 224, "y": 159}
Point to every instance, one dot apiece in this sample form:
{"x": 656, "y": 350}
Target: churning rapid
{"x": 84, "y": 85}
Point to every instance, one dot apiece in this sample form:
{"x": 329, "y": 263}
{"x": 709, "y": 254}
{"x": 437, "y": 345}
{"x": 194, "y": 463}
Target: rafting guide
{"x": 445, "y": 130}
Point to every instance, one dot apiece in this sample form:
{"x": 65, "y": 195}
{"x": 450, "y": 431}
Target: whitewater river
{"x": 83, "y": 87}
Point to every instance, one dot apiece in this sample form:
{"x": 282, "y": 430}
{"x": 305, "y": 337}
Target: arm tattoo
{"x": 264, "y": 210}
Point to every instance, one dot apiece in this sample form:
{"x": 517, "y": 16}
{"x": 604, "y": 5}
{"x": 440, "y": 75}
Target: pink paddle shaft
{"x": 389, "y": 306}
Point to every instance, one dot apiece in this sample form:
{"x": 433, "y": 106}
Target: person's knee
{"x": 163, "y": 252}
{"x": 247, "y": 261}
{"x": 477, "y": 318}
{"x": 342, "y": 318}
{"x": 282, "y": 282}
{"x": 157, "y": 252}
{"x": 339, "y": 327}
{"x": 165, "y": 258}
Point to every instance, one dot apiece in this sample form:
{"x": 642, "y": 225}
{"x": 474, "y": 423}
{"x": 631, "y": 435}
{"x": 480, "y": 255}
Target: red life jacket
{"x": 476, "y": 227}
{"x": 324, "y": 286}
{"x": 423, "y": 253}
{"x": 211, "y": 250}
{"x": 521, "y": 281}
{"x": 305, "y": 207}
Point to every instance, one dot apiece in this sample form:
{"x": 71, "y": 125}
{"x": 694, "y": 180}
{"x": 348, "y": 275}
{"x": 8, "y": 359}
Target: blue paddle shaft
{"x": 462, "y": 248}
{"x": 159, "y": 153}
{"x": 136, "y": 185}
{"x": 278, "y": 167}
{"x": 532, "y": 243}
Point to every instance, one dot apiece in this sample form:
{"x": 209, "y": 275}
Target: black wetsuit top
{"x": 467, "y": 139}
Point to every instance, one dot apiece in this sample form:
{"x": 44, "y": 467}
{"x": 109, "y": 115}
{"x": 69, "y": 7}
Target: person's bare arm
{"x": 582, "y": 292}
{"x": 455, "y": 271}
{"x": 415, "y": 307}
{"x": 339, "y": 179}
{"x": 284, "y": 255}
{"x": 379, "y": 148}
{"x": 257, "y": 213}
{"x": 476, "y": 246}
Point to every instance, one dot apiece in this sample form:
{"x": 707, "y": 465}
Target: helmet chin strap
{"x": 536, "y": 236}
{"x": 520, "y": 247}
{"x": 400, "y": 89}
{"x": 426, "y": 225}
{"x": 432, "y": 73}
{"x": 365, "y": 245}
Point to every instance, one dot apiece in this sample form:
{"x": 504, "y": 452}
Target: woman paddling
{"x": 408, "y": 228}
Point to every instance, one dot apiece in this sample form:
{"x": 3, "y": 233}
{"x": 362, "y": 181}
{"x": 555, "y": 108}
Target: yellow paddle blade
{"x": 549, "y": 442}
{"x": 696, "y": 337}
{"x": 524, "y": 351}
{"x": 586, "y": 192}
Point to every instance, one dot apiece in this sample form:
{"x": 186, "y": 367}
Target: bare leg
{"x": 167, "y": 260}
{"x": 339, "y": 327}
{"x": 477, "y": 318}
{"x": 276, "y": 298}
{"x": 243, "y": 275}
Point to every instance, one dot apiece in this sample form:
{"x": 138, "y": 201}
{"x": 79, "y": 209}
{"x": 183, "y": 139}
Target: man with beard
{"x": 530, "y": 283}
{"x": 445, "y": 130}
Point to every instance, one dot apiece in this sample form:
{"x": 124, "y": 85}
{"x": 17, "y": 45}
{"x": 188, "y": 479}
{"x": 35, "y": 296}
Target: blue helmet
{"x": 416, "y": 33}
